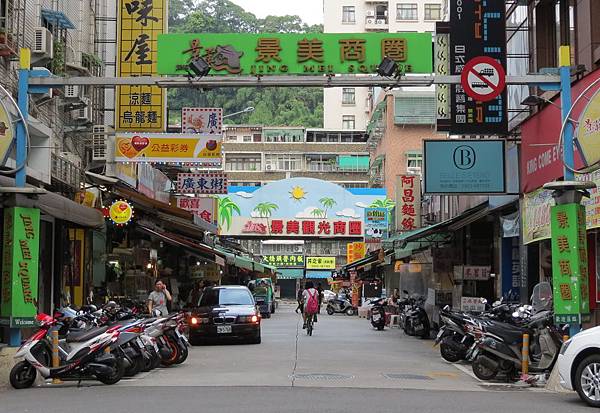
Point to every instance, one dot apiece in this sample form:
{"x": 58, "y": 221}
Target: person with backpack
{"x": 310, "y": 298}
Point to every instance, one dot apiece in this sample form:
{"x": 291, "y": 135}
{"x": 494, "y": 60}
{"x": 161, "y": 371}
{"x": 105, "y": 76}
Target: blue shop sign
{"x": 464, "y": 166}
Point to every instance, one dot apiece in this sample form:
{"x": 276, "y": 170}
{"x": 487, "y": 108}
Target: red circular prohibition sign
{"x": 483, "y": 78}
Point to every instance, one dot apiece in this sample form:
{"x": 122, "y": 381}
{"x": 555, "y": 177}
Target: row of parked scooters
{"x": 491, "y": 341}
{"x": 104, "y": 344}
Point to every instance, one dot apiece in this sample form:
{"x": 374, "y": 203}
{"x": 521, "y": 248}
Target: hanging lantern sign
{"x": 120, "y": 212}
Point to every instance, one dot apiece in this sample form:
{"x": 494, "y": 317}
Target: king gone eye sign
{"x": 306, "y": 53}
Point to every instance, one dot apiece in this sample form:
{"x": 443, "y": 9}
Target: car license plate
{"x": 223, "y": 329}
{"x": 376, "y": 317}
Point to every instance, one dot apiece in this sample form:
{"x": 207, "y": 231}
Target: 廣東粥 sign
{"x": 202, "y": 183}
{"x": 20, "y": 266}
{"x": 168, "y": 148}
{"x": 292, "y": 53}
{"x": 464, "y": 166}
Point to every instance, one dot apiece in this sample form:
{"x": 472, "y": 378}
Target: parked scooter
{"x": 86, "y": 359}
{"x": 340, "y": 305}
{"x": 499, "y": 349}
{"x": 416, "y": 321}
{"x": 378, "y": 314}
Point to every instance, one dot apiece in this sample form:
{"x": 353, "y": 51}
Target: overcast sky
{"x": 311, "y": 11}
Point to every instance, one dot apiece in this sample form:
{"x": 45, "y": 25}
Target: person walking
{"x": 320, "y": 291}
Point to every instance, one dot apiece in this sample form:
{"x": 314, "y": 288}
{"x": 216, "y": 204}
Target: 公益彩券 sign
{"x": 483, "y": 78}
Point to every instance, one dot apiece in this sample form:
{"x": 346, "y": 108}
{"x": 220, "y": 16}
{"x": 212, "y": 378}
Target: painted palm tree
{"x": 226, "y": 209}
{"x": 265, "y": 209}
{"x": 327, "y": 203}
{"x": 318, "y": 213}
{"x": 383, "y": 203}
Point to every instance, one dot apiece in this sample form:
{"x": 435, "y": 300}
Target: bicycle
{"x": 309, "y": 324}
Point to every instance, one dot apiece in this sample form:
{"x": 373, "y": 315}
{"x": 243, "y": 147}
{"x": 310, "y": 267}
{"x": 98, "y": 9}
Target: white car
{"x": 579, "y": 365}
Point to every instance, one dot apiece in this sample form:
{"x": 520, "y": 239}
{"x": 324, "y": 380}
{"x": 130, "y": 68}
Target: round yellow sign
{"x": 121, "y": 212}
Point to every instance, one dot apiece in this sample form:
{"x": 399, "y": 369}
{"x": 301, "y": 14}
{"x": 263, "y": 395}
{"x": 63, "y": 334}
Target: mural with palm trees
{"x": 318, "y": 213}
{"x": 384, "y": 203}
{"x": 327, "y": 203}
{"x": 265, "y": 209}
{"x": 226, "y": 209}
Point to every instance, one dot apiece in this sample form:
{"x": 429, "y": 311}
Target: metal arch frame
{"x": 20, "y": 118}
{"x": 285, "y": 81}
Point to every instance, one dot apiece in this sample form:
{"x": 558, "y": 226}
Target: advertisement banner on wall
{"x": 478, "y": 29}
{"x": 464, "y": 166}
{"x": 202, "y": 120}
{"x": 139, "y": 108}
{"x": 168, "y": 148}
{"x": 202, "y": 183}
{"x": 320, "y": 263}
{"x": 285, "y": 261}
{"x": 376, "y": 227}
{"x": 205, "y": 208}
{"x": 294, "y": 228}
{"x": 408, "y": 209}
{"x": 292, "y": 53}
{"x": 20, "y": 266}
{"x": 569, "y": 263}
{"x": 127, "y": 172}
{"x": 355, "y": 251}
{"x": 153, "y": 183}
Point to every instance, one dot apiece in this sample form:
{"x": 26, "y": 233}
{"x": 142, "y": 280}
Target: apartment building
{"x": 255, "y": 155}
{"x": 346, "y": 108}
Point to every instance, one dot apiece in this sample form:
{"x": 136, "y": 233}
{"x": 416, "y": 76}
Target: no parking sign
{"x": 483, "y": 78}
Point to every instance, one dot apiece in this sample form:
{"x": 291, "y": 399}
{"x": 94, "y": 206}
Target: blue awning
{"x": 318, "y": 274}
{"x": 290, "y": 273}
{"x": 57, "y": 18}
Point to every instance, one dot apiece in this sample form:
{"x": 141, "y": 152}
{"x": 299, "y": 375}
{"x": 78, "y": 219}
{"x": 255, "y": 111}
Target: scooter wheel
{"x": 482, "y": 372}
{"x": 330, "y": 311}
{"x": 136, "y": 367}
{"x": 350, "y": 311}
{"x": 448, "y": 353}
{"x": 22, "y": 375}
{"x": 116, "y": 375}
{"x": 380, "y": 328}
{"x": 174, "y": 354}
{"x": 183, "y": 353}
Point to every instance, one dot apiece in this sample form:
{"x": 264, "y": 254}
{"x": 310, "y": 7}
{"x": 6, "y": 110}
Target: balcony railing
{"x": 66, "y": 172}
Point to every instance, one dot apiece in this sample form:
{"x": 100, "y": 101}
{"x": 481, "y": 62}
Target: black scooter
{"x": 378, "y": 314}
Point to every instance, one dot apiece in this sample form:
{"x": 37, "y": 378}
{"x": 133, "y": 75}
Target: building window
{"x": 348, "y": 14}
{"x": 414, "y": 160}
{"x": 348, "y": 122}
{"x": 242, "y": 163}
{"x": 348, "y": 96}
{"x": 320, "y": 163}
{"x": 433, "y": 12}
{"x": 283, "y": 162}
{"x": 247, "y": 138}
{"x": 407, "y": 11}
{"x": 242, "y": 183}
{"x": 231, "y": 138}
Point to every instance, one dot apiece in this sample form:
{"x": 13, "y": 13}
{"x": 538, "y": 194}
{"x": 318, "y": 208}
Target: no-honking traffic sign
{"x": 483, "y": 78}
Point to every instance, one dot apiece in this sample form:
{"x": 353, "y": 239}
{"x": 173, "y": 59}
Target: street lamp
{"x": 199, "y": 67}
{"x": 387, "y": 68}
{"x": 533, "y": 100}
{"x": 247, "y": 110}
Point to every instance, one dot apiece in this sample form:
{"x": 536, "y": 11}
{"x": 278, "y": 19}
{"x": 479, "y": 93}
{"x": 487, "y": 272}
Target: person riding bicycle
{"x": 310, "y": 299}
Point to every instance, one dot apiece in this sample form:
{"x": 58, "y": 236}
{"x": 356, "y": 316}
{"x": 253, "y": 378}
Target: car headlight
{"x": 248, "y": 319}
{"x": 565, "y": 346}
{"x": 194, "y": 321}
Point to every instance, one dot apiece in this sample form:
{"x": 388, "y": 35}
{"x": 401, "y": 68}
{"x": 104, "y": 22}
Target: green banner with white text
{"x": 306, "y": 53}
{"x": 569, "y": 263}
{"x": 20, "y": 266}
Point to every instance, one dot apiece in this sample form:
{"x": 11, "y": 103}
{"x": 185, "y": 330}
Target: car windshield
{"x": 225, "y": 296}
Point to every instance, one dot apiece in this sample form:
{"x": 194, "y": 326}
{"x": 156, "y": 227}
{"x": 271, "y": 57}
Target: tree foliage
{"x": 273, "y": 106}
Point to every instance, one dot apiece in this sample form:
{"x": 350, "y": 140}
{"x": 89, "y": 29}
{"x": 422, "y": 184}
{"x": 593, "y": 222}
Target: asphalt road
{"x": 346, "y": 366}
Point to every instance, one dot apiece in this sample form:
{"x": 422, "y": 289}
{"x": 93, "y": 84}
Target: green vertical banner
{"x": 569, "y": 263}
{"x": 20, "y": 265}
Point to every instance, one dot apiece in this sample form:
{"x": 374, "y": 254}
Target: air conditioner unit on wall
{"x": 83, "y": 114}
{"x": 370, "y": 13}
{"x": 43, "y": 42}
{"x": 371, "y": 21}
{"x": 414, "y": 170}
{"x": 71, "y": 157}
{"x": 99, "y": 142}
{"x": 71, "y": 91}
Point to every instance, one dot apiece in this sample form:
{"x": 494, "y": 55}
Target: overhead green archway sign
{"x": 295, "y": 54}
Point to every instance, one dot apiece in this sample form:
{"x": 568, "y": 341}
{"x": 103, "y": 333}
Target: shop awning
{"x": 173, "y": 239}
{"x": 318, "y": 274}
{"x": 290, "y": 274}
{"x": 246, "y": 263}
{"x": 58, "y": 206}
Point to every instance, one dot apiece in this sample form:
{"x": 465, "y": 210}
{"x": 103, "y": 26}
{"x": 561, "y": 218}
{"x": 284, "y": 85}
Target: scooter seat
{"x": 508, "y": 332}
{"x": 85, "y": 335}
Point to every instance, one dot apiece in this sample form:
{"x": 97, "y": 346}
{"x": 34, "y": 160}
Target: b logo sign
{"x": 464, "y": 157}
